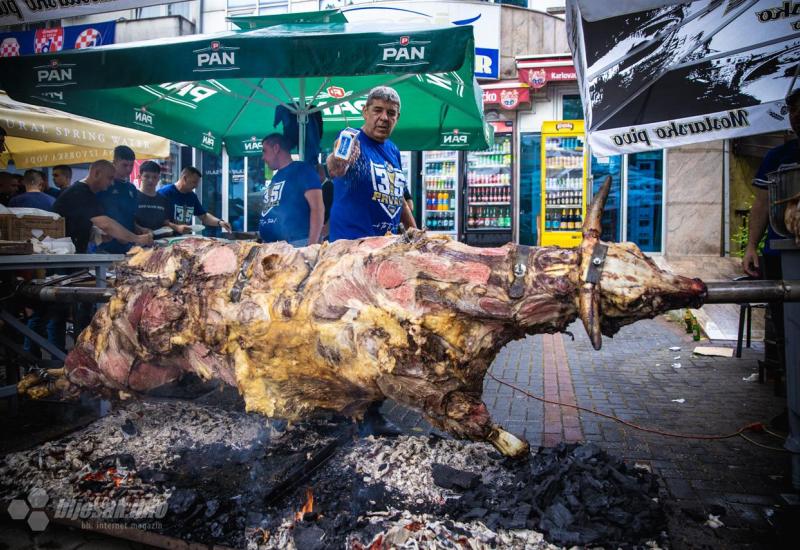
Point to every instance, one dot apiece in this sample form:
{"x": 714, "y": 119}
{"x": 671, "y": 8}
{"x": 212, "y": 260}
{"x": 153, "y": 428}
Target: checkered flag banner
{"x": 88, "y": 39}
{"x": 9, "y": 47}
{"x": 49, "y": 40}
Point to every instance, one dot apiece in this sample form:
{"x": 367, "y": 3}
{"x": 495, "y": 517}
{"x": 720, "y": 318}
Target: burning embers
{"x": 110, "y": 475}
{"x": 107, "y": 474}
{"x": 306, "y": 512}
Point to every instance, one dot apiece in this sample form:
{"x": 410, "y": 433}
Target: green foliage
{"x": 742, "y": 235}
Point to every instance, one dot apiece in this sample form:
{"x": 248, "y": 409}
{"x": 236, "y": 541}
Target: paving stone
{"x": 623, "y": 379}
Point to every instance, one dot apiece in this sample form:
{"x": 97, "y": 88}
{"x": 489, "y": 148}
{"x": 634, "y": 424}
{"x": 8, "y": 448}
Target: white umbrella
{"x": 661, "y": 73}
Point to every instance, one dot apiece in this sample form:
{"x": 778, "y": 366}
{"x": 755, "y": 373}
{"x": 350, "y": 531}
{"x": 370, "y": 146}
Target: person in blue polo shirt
{"x": 788, "y": 153}
{"x": 120, "y": 201}
{"x": 33, "y": 197}
{"x": 184, "y": 204}
{"x": 769, "y": 265}
{"x": 293, "y": 210}
{"x": 368, "y": 188}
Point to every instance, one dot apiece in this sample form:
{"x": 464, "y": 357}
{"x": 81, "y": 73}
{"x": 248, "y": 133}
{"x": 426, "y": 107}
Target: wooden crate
{"x": 15, "y": 247}
{"x": 13, "y": 228}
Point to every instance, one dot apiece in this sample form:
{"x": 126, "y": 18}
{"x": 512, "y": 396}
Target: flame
{"x": 307, "y": 507}
{"x": 110, "y": 474}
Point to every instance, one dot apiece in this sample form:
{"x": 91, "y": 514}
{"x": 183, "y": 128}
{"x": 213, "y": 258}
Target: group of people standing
{"x": 370, "y": 195}
{"x": 124, "y": 215}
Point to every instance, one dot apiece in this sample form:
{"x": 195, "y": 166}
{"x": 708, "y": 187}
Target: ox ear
{"x": 589, "y": 297}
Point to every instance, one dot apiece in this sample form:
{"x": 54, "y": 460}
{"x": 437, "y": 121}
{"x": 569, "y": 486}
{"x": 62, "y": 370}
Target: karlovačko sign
{"x": 536, "y": 73}
{"x": 14, "y": 12}
{"x": 506, "y": 98}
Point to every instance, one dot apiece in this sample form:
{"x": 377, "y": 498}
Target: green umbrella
{"x": 223, "y": 89}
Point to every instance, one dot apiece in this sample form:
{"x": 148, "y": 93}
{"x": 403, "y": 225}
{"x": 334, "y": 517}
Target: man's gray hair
{"x": 384, "y": 93}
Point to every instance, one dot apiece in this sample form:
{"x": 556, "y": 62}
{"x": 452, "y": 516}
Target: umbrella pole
{"x": 302, "y": 119}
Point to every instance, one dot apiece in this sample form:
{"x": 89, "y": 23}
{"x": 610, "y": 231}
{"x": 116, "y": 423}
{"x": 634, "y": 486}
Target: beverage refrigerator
{"x": 489, "y": 191}
{"x": 564, "y": 180}
{"x": 440, "y": 177}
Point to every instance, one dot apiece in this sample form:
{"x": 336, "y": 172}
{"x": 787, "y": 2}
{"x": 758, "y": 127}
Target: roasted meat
{"x": 416, "y": 318}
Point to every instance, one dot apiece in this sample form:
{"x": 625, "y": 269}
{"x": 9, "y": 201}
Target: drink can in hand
{"x": 346, "y": 143}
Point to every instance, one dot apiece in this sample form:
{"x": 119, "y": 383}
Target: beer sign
{"x": 507, "y": 98}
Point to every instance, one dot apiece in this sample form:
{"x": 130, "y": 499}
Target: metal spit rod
{"x": 67, "y": 293}
{"x": 725, "y": 292}
{"x": 744, "y": 292}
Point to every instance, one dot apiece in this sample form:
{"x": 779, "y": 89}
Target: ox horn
{"x": 589, "y": 296}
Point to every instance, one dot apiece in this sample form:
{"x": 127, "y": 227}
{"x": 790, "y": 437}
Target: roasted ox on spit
{"x": 416, "y": 318}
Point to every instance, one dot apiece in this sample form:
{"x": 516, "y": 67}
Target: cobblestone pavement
{"x": 636, "y": 378}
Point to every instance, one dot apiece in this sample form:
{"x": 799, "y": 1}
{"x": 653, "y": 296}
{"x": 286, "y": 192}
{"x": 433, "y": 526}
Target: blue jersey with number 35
{"x": 368, "y": 199}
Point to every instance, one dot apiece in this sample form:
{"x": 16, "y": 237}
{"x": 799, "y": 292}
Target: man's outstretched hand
{"x": 338, "y": 167}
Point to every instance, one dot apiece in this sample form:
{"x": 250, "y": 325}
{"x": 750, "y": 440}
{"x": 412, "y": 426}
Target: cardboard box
{"x": 13, "y": 228}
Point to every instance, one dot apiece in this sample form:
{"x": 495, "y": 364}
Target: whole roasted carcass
{"x": 415, "y": 317}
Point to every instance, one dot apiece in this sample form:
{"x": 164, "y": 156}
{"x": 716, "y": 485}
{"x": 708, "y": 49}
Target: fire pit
{"x": 213, "y": 476}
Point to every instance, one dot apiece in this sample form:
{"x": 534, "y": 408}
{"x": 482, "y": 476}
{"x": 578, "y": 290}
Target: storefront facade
{"x": 545, "y": 89}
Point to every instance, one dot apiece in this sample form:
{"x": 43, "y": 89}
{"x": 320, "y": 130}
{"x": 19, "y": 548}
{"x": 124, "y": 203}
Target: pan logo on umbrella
{"x": 141, "y": 117}
{"x": 54, "y": 74}
{"x": 216, "y": 57}
{"x": 404, "y": 52}
{"x": 252, "y": 145}
{"x": 455, "y": 137}
{"x": 208, "y": 140}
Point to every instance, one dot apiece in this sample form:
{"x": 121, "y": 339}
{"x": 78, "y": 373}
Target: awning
{"x": 229, "y": 89}
{"x": 656, "y": 74}
{"x": 508, "y": 95}
{"x": 39, "y": 136}
{"x": 538, "y": 70}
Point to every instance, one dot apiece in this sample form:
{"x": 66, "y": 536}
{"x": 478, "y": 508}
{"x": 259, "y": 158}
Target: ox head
{"x": 620, "y": 285}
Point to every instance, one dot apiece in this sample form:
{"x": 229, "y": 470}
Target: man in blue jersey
{"x": 120, "y": 201}
{"x": 184, "y": 204}
{"x": 368, "y": 187}
{"x": 293, "y": 210}
{"x": 788, "y": 153}
{"x": 769, "y": 265}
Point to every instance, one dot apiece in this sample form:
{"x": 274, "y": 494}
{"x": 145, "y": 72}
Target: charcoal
{"x": 450, "y": 478}
{"x": 695, "y": 513}
{"x": 129, "y": 429}
{"x": 150, "y": 475}
{"x": 559, "y": 515}
{"x": 124, "y": 460}
{"x": 309, "y": 537}
{"x": 619, "y": 516}
{"x": 211, "y": 508}
{"x": 573, "y": 494}
{"x": 717, "y": 510}
{"x": 520, "y": 518}
{"x": 475, "y": 513}
{"x": 182, "y": 501}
